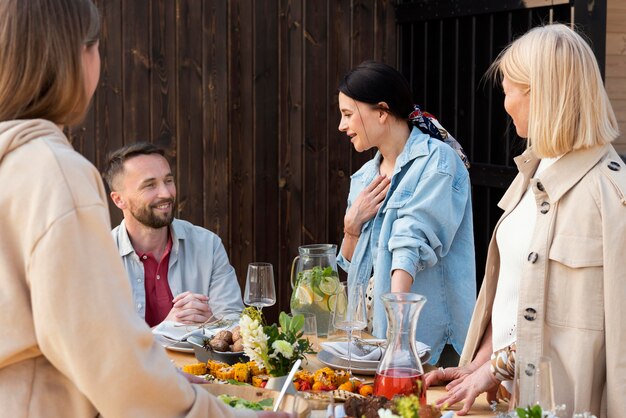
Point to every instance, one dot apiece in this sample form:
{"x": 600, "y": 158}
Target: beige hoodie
{"x": 70, "y": 342}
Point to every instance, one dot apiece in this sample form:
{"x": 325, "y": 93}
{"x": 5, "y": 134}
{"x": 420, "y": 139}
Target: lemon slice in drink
{"x": 337, "y": 302}
{"x": 322, "y": 302}
{"x": 329, "y": 285}
{"x": 304, "y": 296}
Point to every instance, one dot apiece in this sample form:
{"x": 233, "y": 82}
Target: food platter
{"x": 289, "y": 404}
{"x": 358, "y": 367}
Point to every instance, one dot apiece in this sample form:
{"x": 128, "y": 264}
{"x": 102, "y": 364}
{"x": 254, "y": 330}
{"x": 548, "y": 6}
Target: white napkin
{"x": 359, "y": 352}
{"x": 175, "y": 330}
{"x": 365, "y": 352}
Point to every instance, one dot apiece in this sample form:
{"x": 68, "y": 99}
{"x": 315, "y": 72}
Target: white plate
{"x": 335, "y": 362}
{"x": 183, "y": 347}
{"x": 422, "y": 350}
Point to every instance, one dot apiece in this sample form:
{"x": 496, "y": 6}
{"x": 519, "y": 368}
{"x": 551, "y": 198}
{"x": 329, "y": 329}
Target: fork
{"x": 360, "y": 343}
{"x": 206, "y": 325}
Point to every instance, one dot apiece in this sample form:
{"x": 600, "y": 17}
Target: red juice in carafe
{"x": 391, "y": 382}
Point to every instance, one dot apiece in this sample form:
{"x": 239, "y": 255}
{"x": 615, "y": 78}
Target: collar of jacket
{"x": 126, "y": 247}
{"x": 417, "y": 145}
{"x": 559, "y": 177}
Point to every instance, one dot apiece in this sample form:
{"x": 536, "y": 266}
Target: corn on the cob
{"x": 242, "y": 372}
{"x": 213, "y": 366}
{"x": 197, "y": 368}
{"x": 225, "y": 373}
{"x": 255, "y": 369}
{"x": 257, "y": 381}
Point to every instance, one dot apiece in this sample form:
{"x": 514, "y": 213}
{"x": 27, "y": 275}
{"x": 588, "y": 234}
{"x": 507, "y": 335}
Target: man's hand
{"x": 190, "y": 308}
{"x": 366, "y": 205}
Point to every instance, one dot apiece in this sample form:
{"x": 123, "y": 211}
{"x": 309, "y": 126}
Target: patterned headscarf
{"x": 429, "y": 125}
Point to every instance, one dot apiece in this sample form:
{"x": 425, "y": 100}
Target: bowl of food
{"x": 225, "y": 346}
{"x": 258, "y": 399}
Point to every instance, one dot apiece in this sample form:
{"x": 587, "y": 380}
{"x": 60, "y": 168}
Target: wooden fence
{"x": 243, "y": 94}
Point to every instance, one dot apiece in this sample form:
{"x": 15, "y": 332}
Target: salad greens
{"x": 240, "y": 403}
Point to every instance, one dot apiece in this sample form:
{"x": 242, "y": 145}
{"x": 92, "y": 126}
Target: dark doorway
{"x": 445, "y": 49}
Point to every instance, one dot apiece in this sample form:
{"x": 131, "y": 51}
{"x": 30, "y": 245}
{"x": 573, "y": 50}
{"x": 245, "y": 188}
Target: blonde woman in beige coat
{"x": 555, "y": 282}
{"x": 71, "y": 344}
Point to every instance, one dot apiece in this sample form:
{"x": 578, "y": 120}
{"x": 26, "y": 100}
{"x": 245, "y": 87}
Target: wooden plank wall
{"x": 243, "y": 95}
{"x": 616, "y": 64}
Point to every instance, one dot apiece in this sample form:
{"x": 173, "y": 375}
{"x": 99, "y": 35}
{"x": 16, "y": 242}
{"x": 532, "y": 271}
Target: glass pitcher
{"x": 315, "y": 280}
{"x": 400, "y": 371}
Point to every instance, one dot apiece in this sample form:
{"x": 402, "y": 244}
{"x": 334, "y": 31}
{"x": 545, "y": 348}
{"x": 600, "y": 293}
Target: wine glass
{"x": 533, "y": 384}
{"x": 350, "y": 313}
{"x": 260, "y": 290}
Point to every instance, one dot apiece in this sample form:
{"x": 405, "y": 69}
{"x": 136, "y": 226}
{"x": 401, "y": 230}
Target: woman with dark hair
{"x": 408, "y": 226}
{"x": 72, "y": 345}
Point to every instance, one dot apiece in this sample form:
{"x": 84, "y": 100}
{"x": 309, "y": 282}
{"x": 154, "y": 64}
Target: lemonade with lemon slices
{"x": 315, "y": 292}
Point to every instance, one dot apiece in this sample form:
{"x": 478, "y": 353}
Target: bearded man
{"x": 178, "y": 271}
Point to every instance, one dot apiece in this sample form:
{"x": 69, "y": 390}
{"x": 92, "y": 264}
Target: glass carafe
{"x": 400, "y": 371}
{"x": 315, "y": 280}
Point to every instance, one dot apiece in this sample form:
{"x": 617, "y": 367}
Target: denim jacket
{"x": 424, "y": 227}
{"x": 198, "y": 263}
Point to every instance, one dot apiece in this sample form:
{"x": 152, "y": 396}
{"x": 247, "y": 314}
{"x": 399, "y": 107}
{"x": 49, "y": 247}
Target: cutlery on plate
{"x": 360, "y": 342}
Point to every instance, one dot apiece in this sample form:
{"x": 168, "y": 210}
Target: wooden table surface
{"x": 480, "y": 409}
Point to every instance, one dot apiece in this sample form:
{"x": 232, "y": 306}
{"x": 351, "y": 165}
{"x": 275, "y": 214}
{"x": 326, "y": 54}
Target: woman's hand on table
{"x": 366, "y": 205}
{"x": 467, "y": 387}
{"x": 440, "y": 376}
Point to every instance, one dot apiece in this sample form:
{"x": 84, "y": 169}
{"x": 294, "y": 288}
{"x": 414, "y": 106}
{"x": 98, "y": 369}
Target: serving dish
{"x": 204, "y": 353}
{"x": 290, "y": 403}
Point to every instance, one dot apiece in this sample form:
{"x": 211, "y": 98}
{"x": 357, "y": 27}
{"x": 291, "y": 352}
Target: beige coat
{"x": 572, "y": 304}
{"x": 70, "y": 342}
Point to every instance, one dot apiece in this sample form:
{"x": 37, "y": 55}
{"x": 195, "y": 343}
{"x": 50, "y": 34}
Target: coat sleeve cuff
{"x": 405, "y": 260}
{"x": 342, "y": 262}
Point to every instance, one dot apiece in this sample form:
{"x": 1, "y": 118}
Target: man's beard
{"x": 147, "y": 216}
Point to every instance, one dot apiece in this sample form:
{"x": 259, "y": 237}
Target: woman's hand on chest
{"x": 366, "y": 205}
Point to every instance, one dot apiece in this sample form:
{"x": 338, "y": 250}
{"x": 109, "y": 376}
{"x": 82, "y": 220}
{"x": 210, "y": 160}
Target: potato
{"x": 236, "y": 333}
{"x": 219, "y": 345}
{"x": 237, "y": 346}
{"x": 225, "y": 335}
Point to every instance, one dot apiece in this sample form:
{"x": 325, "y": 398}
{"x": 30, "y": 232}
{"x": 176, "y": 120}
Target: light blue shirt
{"x": 424, "y": 226}
{"x": 198, "y": 263}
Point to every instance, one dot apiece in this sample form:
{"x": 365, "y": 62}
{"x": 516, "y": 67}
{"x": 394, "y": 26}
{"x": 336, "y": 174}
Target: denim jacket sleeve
{"x": 342, "y": 261}
{"x": 429, "y": 216}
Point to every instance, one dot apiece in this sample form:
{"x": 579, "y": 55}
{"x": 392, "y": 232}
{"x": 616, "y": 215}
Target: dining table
{"x": 480, "y": 409}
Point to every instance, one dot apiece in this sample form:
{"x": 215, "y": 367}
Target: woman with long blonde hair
{"x": 555, "y": 282}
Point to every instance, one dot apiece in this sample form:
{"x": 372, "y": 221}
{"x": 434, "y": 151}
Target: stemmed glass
{"x": 260, "y": 290}
{"x": 350, "y": 313}
{"x": 533, "y": 384}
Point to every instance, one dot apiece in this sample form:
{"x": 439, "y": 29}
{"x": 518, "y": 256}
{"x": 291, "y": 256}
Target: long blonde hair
{"x": 41, "y": 73}
{"x": 569, "y": 107}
